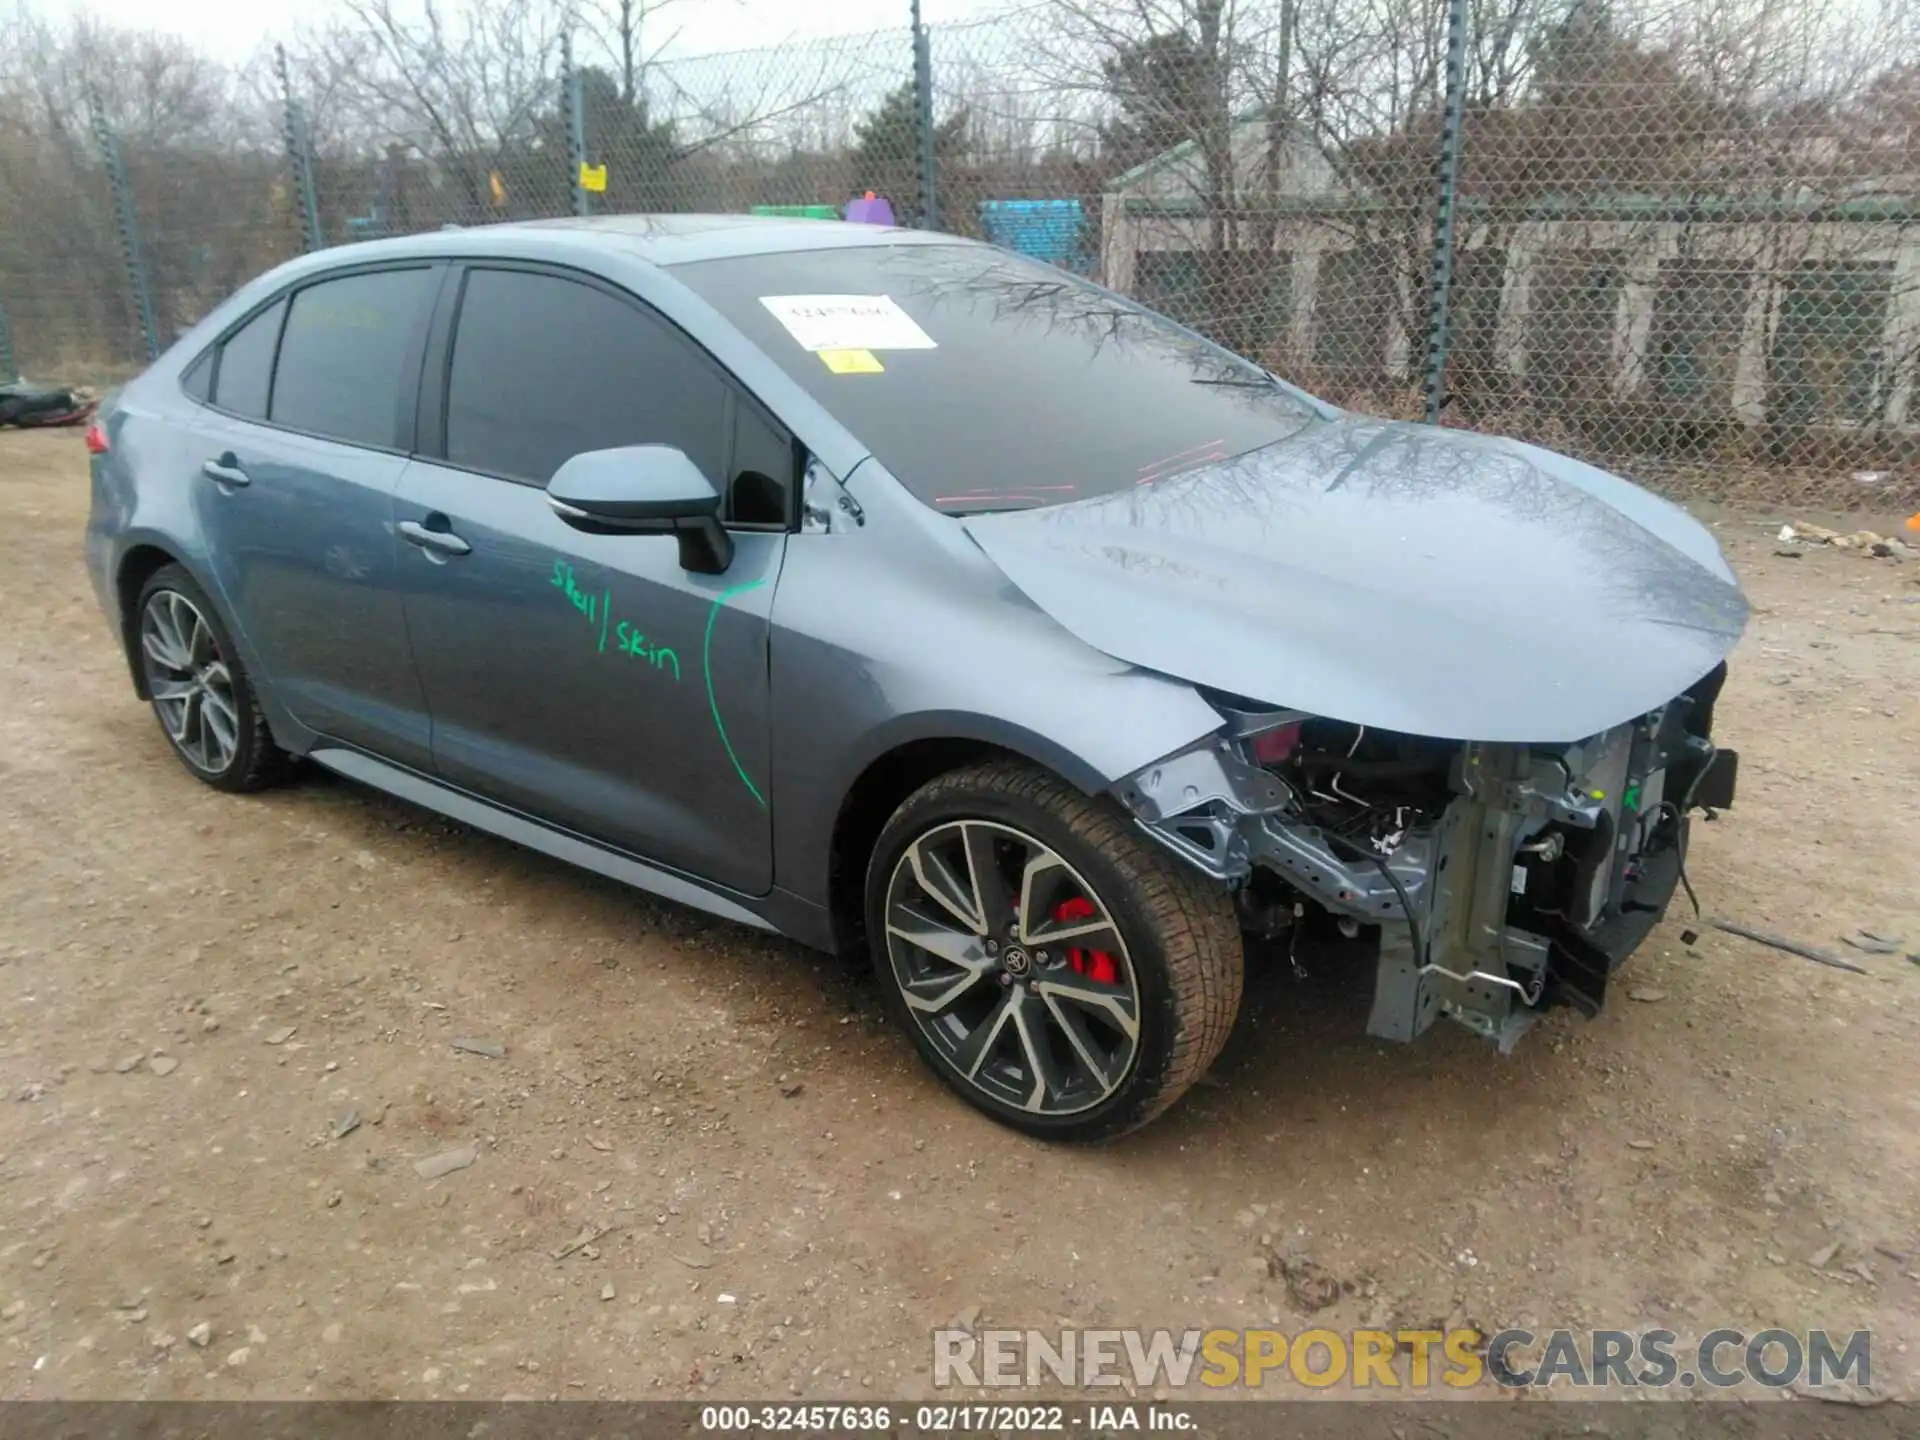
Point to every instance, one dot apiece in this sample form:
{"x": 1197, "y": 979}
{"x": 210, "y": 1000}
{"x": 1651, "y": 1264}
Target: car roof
{"x": 658, "y": 239}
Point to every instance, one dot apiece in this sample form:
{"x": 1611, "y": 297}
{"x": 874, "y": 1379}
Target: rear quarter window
{"x": 197, "y": 378}
{"x": 244, "y": 373}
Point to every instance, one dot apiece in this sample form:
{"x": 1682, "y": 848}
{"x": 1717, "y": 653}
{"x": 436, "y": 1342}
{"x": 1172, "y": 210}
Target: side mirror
{"x": 644, "y": 490}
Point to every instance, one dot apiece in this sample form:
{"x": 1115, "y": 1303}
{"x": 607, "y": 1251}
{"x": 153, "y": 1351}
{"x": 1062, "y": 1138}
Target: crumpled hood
{"x": 1430, "y": 581}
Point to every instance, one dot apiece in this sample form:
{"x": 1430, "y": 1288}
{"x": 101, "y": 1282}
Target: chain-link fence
{"x": 1683, "y": 242}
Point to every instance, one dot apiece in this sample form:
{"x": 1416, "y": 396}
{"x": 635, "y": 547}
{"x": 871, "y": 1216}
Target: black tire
{"x": 1178, "y": 936}
{"x": 252, "y": 761}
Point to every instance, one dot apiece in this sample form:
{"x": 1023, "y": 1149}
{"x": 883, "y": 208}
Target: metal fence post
{"x": 124, "y": 213}
{"x": 9, "y": 372}
{"x": 299, "y": 157}
{"x": 1440, "y": 296}
{"x": 576, "y": 100}
{"x": 314, "y": 237}
{"x": 923, "y": 123}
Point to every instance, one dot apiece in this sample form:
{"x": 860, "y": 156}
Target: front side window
{"x": 246, "y": 364}
{"x": 344, "y": 353}
{"x": 546, "y": 368}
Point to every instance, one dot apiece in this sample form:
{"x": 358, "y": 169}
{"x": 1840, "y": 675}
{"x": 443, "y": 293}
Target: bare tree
{"x": 199, "y": 156}
{"x": 152, "y": 88}
{"x": 626, "y": 30}
{"x": 465, "y": 85}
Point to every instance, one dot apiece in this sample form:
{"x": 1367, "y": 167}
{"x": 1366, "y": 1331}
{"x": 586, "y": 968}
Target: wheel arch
{"x": 889, "y": 777}
{"x": 143, "y": 556}
{"x": 137, "y": 565}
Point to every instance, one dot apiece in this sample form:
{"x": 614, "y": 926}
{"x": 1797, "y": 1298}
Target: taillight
{"x": 97, "y": 439}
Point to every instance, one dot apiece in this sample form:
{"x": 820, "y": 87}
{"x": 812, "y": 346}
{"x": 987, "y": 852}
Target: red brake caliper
{"x": 1094, "y": 964}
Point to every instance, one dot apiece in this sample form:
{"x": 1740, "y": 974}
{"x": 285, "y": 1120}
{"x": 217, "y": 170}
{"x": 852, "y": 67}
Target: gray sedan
{"x": 917, "y": 600}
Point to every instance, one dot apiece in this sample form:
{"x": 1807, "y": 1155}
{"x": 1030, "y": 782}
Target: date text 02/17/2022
{"x": 945, "y": 1419}
{"x": 628, "y": 638}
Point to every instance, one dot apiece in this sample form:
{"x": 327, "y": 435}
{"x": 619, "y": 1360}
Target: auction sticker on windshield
{"x": 847, "y": 322}
{"x": 851, "y": 362}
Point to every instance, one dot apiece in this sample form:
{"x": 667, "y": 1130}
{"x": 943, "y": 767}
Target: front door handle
{"x": 226, "y": 471}
{"x": 444, "y": 541}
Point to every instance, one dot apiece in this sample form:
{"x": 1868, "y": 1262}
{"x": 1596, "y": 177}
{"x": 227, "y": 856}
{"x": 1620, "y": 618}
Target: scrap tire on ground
{"x": 1179, "y": 951}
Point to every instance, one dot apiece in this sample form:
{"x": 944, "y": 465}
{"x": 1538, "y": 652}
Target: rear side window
{"x": 245, "y": 372}
{"x": 344, "y": 353}
{"x": 546, "y": 368}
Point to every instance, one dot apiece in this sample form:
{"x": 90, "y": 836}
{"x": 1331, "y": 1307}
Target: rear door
{"x": 314, "y": 398}
{"x": 588, "y": 679}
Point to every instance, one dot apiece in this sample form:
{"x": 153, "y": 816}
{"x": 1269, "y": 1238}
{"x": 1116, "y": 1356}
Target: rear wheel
{"x": 1054, "y": 967}
{"x": 200, "y": 692}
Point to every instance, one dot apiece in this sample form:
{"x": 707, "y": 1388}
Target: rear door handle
{"x": 444, "y": 541}
{"x": 226, "y": 471}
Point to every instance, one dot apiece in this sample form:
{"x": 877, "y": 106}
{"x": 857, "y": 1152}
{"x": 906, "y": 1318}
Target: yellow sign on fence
{"x": 593, "y": 177}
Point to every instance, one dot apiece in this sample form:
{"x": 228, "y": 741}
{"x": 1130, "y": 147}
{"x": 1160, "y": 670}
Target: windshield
{"x": 987, "y": 381}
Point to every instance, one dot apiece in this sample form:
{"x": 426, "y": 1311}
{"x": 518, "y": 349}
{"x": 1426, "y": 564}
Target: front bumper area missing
{"x": 1526, "y": 885}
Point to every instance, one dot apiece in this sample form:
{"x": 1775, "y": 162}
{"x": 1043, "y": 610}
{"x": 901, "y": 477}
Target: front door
{"x": 296, "y": 495}
{"x": 588, "y": 680}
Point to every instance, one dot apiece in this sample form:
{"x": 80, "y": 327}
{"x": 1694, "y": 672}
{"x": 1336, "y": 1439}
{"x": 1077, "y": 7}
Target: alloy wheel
{"x": 1012, "y": 967}
{"x": 189, "y": 679}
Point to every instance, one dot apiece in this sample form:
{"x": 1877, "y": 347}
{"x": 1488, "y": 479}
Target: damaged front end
{"x": 1501, "y": 879}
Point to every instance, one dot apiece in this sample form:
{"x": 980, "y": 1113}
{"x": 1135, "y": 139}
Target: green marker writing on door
{"x": 713, "y": 702}
{"x": 629, "y": 639}
{"x": 590, "y": 606}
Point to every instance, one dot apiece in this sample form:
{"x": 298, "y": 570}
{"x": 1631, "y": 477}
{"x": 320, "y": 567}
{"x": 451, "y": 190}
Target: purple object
{"x": 870, "y": 209}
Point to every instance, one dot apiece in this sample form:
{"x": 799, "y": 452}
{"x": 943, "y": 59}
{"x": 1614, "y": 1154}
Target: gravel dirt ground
{"x": 228, "y": 1031}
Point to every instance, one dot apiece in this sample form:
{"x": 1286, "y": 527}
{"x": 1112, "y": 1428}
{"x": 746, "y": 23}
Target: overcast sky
{"x": 233, "y": 29}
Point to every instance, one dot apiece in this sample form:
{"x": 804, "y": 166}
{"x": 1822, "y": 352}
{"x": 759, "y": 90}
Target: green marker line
{"x": 706, "y": 664}
{"x": 606, "y": 609}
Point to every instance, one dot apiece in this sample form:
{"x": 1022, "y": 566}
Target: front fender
{"x": 813, "y": 774}
{"x": 902, "y": 631}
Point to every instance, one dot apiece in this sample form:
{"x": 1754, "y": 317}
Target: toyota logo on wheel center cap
{"x": 1015, "y": 959}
